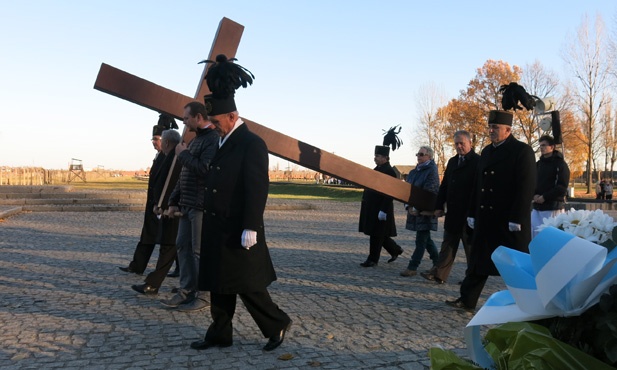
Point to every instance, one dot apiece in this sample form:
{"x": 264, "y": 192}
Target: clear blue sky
{"x": 331, "y": 73}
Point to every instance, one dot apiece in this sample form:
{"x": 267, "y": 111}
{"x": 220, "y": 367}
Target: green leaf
{"x": 610, "y": 350}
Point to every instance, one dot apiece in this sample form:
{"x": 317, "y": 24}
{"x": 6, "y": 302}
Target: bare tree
{"x": 432, "y": 125}
{"x": 588, "y": 57}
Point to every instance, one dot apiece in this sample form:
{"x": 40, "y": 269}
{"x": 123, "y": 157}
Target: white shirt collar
{"x": 222, "y": 140}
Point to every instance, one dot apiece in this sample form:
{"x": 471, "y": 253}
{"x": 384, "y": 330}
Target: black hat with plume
{"x": 223, "y": 78}
{"x": 390, "y": 139}
{"x": 165, "y": 122}
{"x": 512, "y": 94}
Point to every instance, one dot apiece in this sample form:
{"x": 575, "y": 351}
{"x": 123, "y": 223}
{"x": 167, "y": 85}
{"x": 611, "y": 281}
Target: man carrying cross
{"x": 187, "y": 198}
{"x": 235, "y": 260}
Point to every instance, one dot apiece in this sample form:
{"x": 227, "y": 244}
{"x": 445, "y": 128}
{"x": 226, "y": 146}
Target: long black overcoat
{"x": 168, "y": 227}
{"x": 505, "y": 181}
{"x": 235, "y": 199}
{"x": 373, "y": 202}
{"x": 150, "y": 228}
{"x": 455, "y": 191}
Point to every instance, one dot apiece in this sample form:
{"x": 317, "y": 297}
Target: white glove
{"x": 382, "y": 216}
{"x": 471, "y": 222}
{"x": 514, "y": 227}
{"x": 249, "y": 238}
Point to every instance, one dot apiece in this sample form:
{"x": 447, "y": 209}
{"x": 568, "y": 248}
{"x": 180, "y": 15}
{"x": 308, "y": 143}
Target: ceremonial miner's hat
{"x": 223, "y": 78}
{"x": 390, "y": 139}
{"x": 157, "y": 130}
{"x": 165, "y": 122}
{"x": 499, "y": 117}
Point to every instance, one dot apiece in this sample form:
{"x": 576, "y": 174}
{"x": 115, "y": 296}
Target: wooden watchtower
{"x": 76, "y": 170}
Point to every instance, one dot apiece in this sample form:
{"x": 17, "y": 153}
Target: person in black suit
{"x": 454, "y": 190}
{"x": 150, "y": 228}
{"x": 168, "y": 227}
{"x": 500, "y": 205}
{"x": 235, "y": 260}
{"x": 377, "y": 215}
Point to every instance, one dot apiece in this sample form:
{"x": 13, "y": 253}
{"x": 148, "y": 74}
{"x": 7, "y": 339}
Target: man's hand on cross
{"x": 180, "y": 148}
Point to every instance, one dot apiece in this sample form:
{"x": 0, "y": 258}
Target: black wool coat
{"x": 150, "y": 228}
{"x": 553, "y": 177}
{"x": 373, "y": 202}
{"x": 455, "y": 191}
{"x": 168, "y": 227}
{"x": 235, "y": 199}
{"x": 504, "y": 185}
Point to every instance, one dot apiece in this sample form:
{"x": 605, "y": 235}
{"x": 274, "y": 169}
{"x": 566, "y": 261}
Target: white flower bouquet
{"x": 594, "y": 226}
{"x": 560, "y": 308}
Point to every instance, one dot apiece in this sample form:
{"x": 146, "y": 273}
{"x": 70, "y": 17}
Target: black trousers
{"x": 471, "y": 288}
{"x": 141, "y": 257}
{"x": 378, "y": 239}
{"x": 167, "y": 256}
{"x": 267, "y": 315}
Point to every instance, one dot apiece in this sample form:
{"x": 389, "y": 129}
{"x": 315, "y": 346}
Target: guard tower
{"x": 76, "y": 170}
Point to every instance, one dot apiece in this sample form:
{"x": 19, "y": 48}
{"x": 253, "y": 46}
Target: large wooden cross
{"x": 147, "y": 94}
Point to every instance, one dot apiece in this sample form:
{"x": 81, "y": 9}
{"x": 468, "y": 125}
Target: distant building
{"x": 402, "y": 171}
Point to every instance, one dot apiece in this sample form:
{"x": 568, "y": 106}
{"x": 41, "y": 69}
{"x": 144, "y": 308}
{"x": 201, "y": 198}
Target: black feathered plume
{"x": 514, "y": 93}
{"x": 391, "y": 139}
{"x": 224, "y": 77}
{"x": 167, "y": 121}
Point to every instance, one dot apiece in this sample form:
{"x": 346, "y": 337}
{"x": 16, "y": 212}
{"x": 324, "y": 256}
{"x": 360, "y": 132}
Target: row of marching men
{"x": 485, "y": 198}
{"x": 212, "y": 220}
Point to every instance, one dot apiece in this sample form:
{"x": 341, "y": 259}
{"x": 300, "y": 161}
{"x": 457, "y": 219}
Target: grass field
{"x": 287, "y": 190}
{"x": 284, "y": 190}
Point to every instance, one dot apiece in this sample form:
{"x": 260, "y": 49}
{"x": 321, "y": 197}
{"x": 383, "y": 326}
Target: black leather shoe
{"x": 129, "y": 270}
{"x": 145, "y": 289}
{"x": 394, "y": 257}
{"x": 431, "y": 277}
{"x": 368, "y": 263}
{"x": 458, "y": 303}
{"x": 174, "y": 273}
{"x": 205, "y": 344}
{"x": 276, "y": 340}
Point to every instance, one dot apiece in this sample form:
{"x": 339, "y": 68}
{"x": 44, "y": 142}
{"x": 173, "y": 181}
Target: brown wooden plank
{"x": 316, "y": 159}
{"x": 226, "y": 42}
{"x": 150, "y": 95}
{"x": 125, "y": 86}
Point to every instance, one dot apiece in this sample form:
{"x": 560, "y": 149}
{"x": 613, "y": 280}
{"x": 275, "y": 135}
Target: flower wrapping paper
{"x": 563, "y": 275}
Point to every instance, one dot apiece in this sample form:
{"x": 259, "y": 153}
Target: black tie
{"x": 461, "y": 159}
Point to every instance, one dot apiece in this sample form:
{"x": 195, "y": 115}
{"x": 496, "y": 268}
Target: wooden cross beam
{"x": 147, "y": 94}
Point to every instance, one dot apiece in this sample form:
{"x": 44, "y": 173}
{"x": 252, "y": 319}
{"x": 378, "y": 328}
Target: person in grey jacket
{"x": 188, "y": 198}
{"x": 424, "y": 176}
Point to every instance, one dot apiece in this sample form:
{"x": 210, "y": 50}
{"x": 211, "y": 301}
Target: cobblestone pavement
{"x": 65, "y": 304}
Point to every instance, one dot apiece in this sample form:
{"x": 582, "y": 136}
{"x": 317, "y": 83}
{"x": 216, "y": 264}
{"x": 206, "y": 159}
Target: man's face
{"x": 166, "y": 146}
{"x": 498, "y": 132}
{"x": 156, "y": 142}
{"x": 380, "y": 159}
{"x": 546, "y": 149}
{"x": 189, "y": 121}
{"x": 223, "y": 123}
{"x": 462, "y": 144}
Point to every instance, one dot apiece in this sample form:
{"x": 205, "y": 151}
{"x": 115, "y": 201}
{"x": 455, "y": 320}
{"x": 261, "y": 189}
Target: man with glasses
{"x": 150, "y": 228}
{"x": 499, "y": 212}
{"x": 553, "y": 176}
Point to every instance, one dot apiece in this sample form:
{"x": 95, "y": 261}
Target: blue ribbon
{"x": 562, "y": 275}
